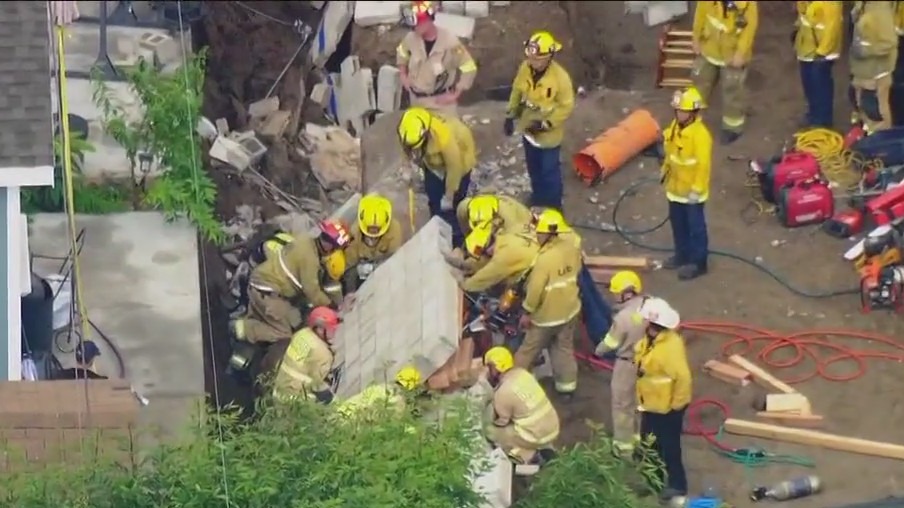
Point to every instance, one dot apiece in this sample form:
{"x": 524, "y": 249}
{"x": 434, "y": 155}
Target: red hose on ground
{"x": 808, "y": 345}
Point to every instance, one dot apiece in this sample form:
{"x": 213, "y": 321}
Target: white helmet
{"x": 658, "y": 312}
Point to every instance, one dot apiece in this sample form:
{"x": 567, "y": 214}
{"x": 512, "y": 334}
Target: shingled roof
{"x": 26, "y": 127}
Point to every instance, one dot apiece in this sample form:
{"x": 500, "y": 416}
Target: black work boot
{"x": 669, "y": 493}
{"x": 729, "y": 137}
{"x": 671, "y": 263}
{"x": 689, "y": 272}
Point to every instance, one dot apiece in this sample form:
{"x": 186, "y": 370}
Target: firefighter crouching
{"x": 377, "y": 237}
{"x": 510, "y": 256}
{"x": 524, "y": 421}
{"x": 443, "y": 147}
{"x": 723, "y": 37}
{"x": 685, "y": 174}
{"x": 294, "y": 272}
{"x": 434, "y": 66}
{"x": 541, "y": 101}
{"x": 552, "y": 302}
{"x": 627, "y": 329}
{"x": 308, "y": 361}
{"x": 391, "y": 396}
{"x": 663, "y": 389}
{"x": 506, "y": 213}
{"x": 873, "y": 56}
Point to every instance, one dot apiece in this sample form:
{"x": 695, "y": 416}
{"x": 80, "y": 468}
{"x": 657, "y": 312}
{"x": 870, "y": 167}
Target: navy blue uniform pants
{"x": 596, "y": 310}
{"x": 689, "y": 233}
{"x": 435, "y": 188}
{"x": 819, "y": 90}
{"x": 545, "y": 172}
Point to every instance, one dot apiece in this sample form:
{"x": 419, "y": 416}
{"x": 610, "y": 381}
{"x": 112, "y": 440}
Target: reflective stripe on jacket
{"x": 519, "y": 400}
{"x": 818, "y": 30}
{"x": 720, "y": 33}
{"x": 305, "y": 366}
{"x": 688, "y": 161}
{"x": 663, "y": 374}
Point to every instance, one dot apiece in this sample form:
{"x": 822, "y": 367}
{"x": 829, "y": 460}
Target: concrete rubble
{"x": 657, "y": 13}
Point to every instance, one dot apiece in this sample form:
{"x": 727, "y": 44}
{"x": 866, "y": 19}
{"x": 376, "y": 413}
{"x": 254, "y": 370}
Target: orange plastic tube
{"x": 617, "y": 145}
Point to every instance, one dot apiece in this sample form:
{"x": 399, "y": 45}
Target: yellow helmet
{"x": 541, "y": 43}
{"x": 499, "y": 357}
{"x": 688, "y": 99}
{"x": 624, "y": 280}
{"x": 479, "y": 239}
{"x": 414, "y": 128}
{"x": 551, "y": 221}
{"x": 408, "y": 378}
{"x": 482, "y": 209}
{"x": 276, "y": 243}
{"x": 374, "y": 215}
{"x": 334, "y": 264}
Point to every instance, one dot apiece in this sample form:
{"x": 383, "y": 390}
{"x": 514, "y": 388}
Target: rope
{"x": 285, "y": 69}
{"x": 203, "y": 258}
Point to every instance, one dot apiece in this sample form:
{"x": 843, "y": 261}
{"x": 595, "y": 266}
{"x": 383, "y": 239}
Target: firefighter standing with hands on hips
{"x": 434, "y": 66}
{"x": 685, "y": 175}
{"x": 523, "y": 420}
{"x": 541, "y": 101}
{"x": 723, "y": 37}
{"x": 873, "y": 56}
{"x": 663, "y": 389}
{"x": 443, "y": 147}
{"x": 626, "y": 331}
{"x": 552, "y": 302}
{"x": 817, "y": 42}
{"x": 304, "y": 371}
{"x": 377, "y": 237}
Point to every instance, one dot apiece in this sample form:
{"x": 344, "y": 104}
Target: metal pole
{"x": 103, "y": 64}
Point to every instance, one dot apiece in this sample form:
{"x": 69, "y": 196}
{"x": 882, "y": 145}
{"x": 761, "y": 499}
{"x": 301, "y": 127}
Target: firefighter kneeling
{"x": 524, "y": 421}
{"x": 392, "y": 396}
{"x": 377, "y": 237}
{"x": 306, "y": 367}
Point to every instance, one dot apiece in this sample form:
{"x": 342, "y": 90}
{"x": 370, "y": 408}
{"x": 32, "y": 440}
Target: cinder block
{"x": 321, "y": 93}
{"x": 274, "y": 126}
{"x": 336, "y": 17}
{"x": 222, "y": 126}
{"x": 389, "y": 89}
{"x": 356, "y": 95}
{"x": 231, "y": 152}
{"x": 454, "y": 7}
{"x": 657, "y": 13}
{"x": 461, "y": 26}
{"x": 477, "y": 9}
{"x": 263, "y": 107}
{"x": 377, "y": 13}
{"x": 251, "y": 144}
{"x": 164, "y": 47}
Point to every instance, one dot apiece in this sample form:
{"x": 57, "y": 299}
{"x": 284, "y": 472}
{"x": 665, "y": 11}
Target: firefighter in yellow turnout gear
{"x": 723, "y": 36}
{"x": 505, "y": 213}
{"x": 293, "y": 272}
{"x": 510, "y": 256}
{"x": 305, "y": 368}
{"x": 627, "y": 329}
{"x": 443, "y": 147}
{"x": 524, "y": 421}
{"x": 384, "y": 395}
{"x": 552, "y": 302}
{"x": 377, "y": 237}
{"x": 817, "y": 42}
{"x": 873, "y": 55}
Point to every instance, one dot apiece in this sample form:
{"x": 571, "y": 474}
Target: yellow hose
{"x": 68, "y": 183}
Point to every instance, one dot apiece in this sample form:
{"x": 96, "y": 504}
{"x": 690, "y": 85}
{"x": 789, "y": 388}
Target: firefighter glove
{"x": 538, "y": 126}
{"x": 445, "y": 204}
{"x": 693, "y": 198}
{"x": 508, "y": 127}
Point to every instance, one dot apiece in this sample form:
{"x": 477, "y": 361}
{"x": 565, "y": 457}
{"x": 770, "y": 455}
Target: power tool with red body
{"x": 782, "y": 171}
{"x": 881, "y": 271}
{"x": 805, "y": 202}
{"x": 876, "y": 211}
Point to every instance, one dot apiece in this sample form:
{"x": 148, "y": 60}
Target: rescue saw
{"x": 878, "y": 260}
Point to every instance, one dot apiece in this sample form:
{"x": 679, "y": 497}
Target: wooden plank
{"x": 787, "y": 402}
{"x": 678, "y": 51}
{"x": 763, "y": 378}
{"x": 727, "y": 373}
{"x": 814, "y": 438}
{"x": 677, "y": 64}
{"x": 793, "y": 420}
{"x": 616, "y": 261}
{"x": 680, "y": 33}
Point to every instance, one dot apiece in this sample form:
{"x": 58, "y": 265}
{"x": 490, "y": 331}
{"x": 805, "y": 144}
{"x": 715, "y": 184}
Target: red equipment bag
{"x": 805, "y": 202}
{"x": 790, "y": 168}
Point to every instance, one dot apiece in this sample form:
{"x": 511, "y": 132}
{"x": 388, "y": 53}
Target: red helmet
{"x": 335, "y": 232}
{"x": 326, "y": 318}
{"x": 421, "y": 11}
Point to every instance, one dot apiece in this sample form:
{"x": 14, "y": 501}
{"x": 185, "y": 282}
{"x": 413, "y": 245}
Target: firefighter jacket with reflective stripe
{"x": 450, "y": 153}
{"x": 371, "y": 399}
{"x": 305, "y": 366}
{"x": 626, "y": 330}
{"x": 688, "y": 160}
{"x": 723, "y": 34}
{"x": 448, "y": 66}
{"x": 360, "y": 252}
{"x": 818, "y": 30}
{"x": 663, "y": 374}
{"x": 512, "y": 216}
{"x": 899, "y": 19}
{"x": 544, "y": 97}
{"x": 551, "y": 295}
{"x": 874, "y": 46}
{"x": 520, "y": 401}
{"x": 295, "y": 270}
{"x": 512, "y": 255}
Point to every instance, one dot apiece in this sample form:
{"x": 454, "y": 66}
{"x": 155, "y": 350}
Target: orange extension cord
{"x": 807, "y": 346}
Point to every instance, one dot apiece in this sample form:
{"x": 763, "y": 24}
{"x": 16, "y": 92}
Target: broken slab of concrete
{"x": 335, "y": 157}
{"x": 657, "y": 13}
{"x": 477, "y": 9}
{"x": 251, "y": 144}
{"x": 408, "y": 312}
{"x": 264, "y": 107}
{"x": 231, "y": 152}
{"x": 378, "y": 13}
{"x": 461, "y": 26}
{"x": 389, "y": 89}
{"x": 354, "y": 94}
{"x": 336, "y": 17}
{"x": 274, "y": 126}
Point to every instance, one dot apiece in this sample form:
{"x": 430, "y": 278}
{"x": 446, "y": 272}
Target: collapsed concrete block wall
{"x": 407, "y": 312}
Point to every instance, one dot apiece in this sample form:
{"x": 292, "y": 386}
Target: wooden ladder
{"x": 676, "y": 58}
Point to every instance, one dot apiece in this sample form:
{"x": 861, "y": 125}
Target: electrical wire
{"x": 631, "y": 236}
{"x": 274, "y": 19}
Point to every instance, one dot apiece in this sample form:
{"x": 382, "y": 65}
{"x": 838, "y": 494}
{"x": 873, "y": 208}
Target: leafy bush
{"x": 89, "y": 198}
{"x": 171, "y": 103}
{"x": 298, "y": 455}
